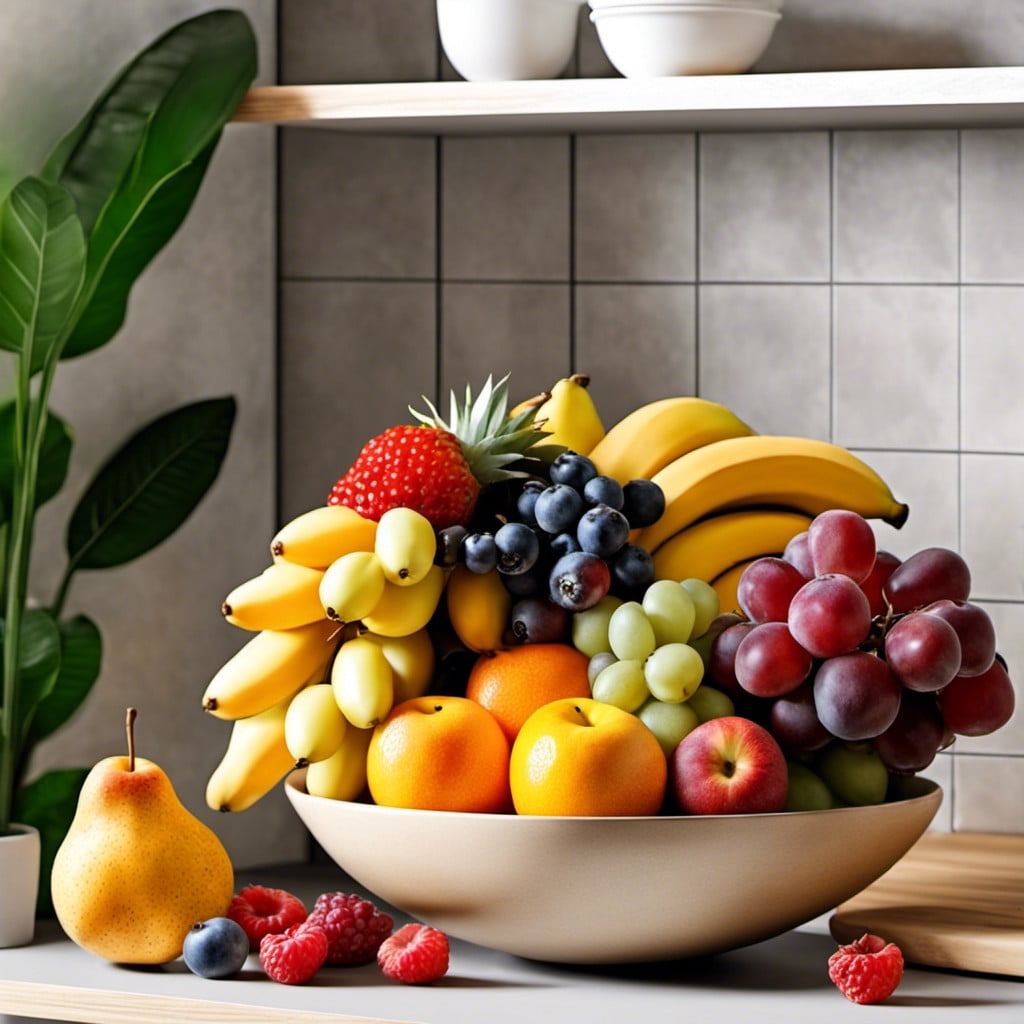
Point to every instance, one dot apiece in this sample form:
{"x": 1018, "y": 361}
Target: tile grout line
{"x": 959, "y": 414}
{"x": 832, "y": 170}
{"x": 572, "y": 253}
{"x": 697, "y": 289}
{"x": 438, "y": 270}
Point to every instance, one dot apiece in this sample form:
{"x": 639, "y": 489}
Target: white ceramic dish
{"x": 498, "y": 40}
{"x": 661, "y": 40}
{"x": 615, "y": 890}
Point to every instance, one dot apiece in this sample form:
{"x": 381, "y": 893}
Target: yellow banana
{"x": 649, "y": 438}
{"x": 256, "y": 759}
{"x": 710, "y": 546}
{"x": 363, "y": 683}
{"x": 322, "y": 535}
{"x": 726, "y": 585}
{"x": 405, "y": 546}
{"x": 352, "y": 586}
{"x": 273, "y": 665}
{"x": 343, "y": 775}
{"x": 313, "y": 725}
{"x": 283, "y": 596}
{"x": 570, "y": 416}
{"x": 798, "y": 473}
{"x": 411, "y": 659}
{"x": 478, "y": 608}
{"x": 402, "y": 611}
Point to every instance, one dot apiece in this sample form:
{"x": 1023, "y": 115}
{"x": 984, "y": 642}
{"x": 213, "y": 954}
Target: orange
{"x": 439, "y": 754}
{"x": 583, "y": 757}
{"x": 512, "y": 684}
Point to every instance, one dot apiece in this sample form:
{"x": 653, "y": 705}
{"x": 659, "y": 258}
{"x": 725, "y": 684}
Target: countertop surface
{"x": 782, "y": 979}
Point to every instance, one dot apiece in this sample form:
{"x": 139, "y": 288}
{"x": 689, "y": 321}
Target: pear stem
{"x": 129, "y": 728}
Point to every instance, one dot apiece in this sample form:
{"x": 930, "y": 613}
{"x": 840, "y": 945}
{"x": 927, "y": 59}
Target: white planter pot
{"x": 19, "y": 869}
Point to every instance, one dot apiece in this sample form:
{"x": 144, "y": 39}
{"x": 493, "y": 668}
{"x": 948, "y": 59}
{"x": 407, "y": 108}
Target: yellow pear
{"x": 136, "y": 869}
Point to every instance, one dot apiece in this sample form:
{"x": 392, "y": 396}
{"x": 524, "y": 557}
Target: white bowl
{"x": 658, "y": 40}
{"x": 766, "y": 5}
{"x": 615, "y": 890}
{"x": 497, "y": 40}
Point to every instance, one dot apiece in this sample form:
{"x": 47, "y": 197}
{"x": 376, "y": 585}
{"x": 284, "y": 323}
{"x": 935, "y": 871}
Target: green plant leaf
{"x": 42, "y": 261}
{"x": 49, "y": 804}
{"x": 81, "y": 654}
{"x": 135, "y": 161}
{"x": 150, "y": 486}
{"x": 40, "y": 662}
{"x": 53, "y": 458}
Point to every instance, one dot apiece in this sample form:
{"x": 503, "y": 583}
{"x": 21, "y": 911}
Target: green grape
{"x": 630, "y": 632}
{"x": 673, "y": 672}
{"x": 669, "y": 722}
{"x": 599, "y": 661}
{"x": 855, "y": 776}
{"x": 710, "y": 703}
{"x": 590, "y": 628}
{"x": 671, "y": 611}
{"x": 622, "y": 684}
{"x": 702, "y": 644}
{"x": 705, "y": 601}
{"x": 806, "y": 791}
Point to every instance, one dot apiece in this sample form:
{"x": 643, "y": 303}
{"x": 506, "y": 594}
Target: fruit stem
{"x": 129, "y": 728}
{"x": 581, "y": 379}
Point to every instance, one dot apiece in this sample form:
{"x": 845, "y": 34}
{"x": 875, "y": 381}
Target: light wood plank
{"x": 900, "y": 98}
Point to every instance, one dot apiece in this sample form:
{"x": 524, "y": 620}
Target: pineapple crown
{"x": 492, "y": 440}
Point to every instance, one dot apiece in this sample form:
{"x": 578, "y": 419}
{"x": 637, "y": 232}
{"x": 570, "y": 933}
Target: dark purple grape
{"x": 829, "y": 615}
{"x": 449, "y": 545}
{"x": 518, "y": 548}
{"x": 794, "y": 722}
{"x": 769, "y": 662}
{"x": 603, "y": 490}
{"x": 915, "y": 736}
{"x": 643, "y": 503}
{"x": 479, "y": 552}
{"x": 978, "y": 705}
{"x": 563, "y": 544}
{"x": 856, "y": 695}
{"x": 766, "y": 588}
{"x": 632, "y": 569}
{"x": 841, "y": 541}
{"x": 976, "y": 633}
{"x": 929, "y": 575}
{"x": 722, "y": 661}
{"x": 602, "y": 531}
{"x": 526, "y": 500}
{"x": 536, "y": 620}
{"x": 573, "y": 470}
{"x": 558, "y": 508}
{"x": 578, "y": 581}
{"x": 527, "y": 584}
{"x": 798, "y": 554}
{"x": 924, "y": 651}
{"x": 885, "y": 565}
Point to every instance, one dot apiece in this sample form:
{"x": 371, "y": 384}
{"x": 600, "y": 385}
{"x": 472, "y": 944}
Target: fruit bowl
{"x": 615, "y": 890}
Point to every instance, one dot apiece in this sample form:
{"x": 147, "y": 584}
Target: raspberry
{"x": 294, "y": 956}
{"x": 414, "y": 954}
{"x": 354, "y": 927}
{"x": 261, "y": 911}
{"x": 868, "y": 970}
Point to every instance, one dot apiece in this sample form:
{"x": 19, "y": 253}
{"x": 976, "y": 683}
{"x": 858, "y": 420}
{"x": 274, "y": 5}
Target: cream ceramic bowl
{"x": 660, "y": 40}
{"x": 496, "y": 40}
{"x": 615, "y": 890}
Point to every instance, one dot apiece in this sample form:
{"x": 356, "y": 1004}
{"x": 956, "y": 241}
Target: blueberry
{"x": 558, "y": 508}
{"x": 632, "y": 570}
{"x": 449, "y": 543}
{"x": 602, "y": 531}
{"x": 518, "y": 548}
{"x": 578, "y": 581}
{"x": 527, "y": 499}
{"x": 563, "y": 544}
{"x": 479, "y": 552}
{"x": 572, "y": 469}
{"x": 527, "y": 584}
{"x": 536, "y": 620}
{"x": 643, "y": 503}
{"x": 216, "y": 948}
{"x": 603, "y": 490}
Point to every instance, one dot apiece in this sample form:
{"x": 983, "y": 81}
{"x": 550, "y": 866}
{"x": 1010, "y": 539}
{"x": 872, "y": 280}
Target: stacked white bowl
{"x": 656, "y": 38}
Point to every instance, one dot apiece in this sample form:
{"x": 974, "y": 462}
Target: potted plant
{"x": 73, "y": 240}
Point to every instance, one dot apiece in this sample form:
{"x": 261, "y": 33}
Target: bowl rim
{"x": 598, "y": 14}
{"x": 930, "y": 790}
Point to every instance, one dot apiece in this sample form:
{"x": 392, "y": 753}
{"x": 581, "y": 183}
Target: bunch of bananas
{"x": 732, "y": 495}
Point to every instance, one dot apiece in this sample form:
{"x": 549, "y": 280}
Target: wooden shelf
{"x": 912, "y": 98}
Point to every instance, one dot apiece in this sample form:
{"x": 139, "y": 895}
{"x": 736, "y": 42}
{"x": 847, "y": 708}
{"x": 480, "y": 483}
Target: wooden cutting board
{"x": 955, "y": 900}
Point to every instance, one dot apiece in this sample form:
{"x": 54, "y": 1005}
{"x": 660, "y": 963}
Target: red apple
{"x": 728, "y": 766}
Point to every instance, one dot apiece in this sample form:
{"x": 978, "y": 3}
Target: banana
{"x": 711, "y": 546}
{"x": 649, "y": 438}
{"x": 798, "y": 473}
{"x": 273, "y": 665}
{"x": 352, "y": 586}
{"x": 313, "y": 725}
{"x": 343, "y": 775}
{"x": 726, "y": 584}
{"x": 256, "y": 759}
{"x": 570, "y": 416}
{"x": 402, "y": 611}
{"x": 478, "y": 608}
{"x": 322, "y": 535}
{"x": 405, "y": 545}
{"x": 363, "y": 683}
{"x": 412, "y": 662}
{"x": 283, "y": 596}
{"x": 529, "y": 403}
